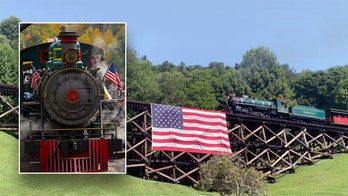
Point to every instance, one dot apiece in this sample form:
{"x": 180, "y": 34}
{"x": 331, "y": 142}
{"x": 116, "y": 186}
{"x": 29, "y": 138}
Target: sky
{"x": 305, "y": 34}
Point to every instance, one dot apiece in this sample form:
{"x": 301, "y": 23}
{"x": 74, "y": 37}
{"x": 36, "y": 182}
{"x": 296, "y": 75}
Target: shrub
{"x": 226, "y": 175}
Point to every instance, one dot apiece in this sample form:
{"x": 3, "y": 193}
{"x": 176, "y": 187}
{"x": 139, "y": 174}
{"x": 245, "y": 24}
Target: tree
{"x": 9, "y": 65}
{"x": 334, "y": 89}
{"x": 142, "y": 83}
{"x": 199, "y": 90}
{"x": 9, "y": 28}
{"x": 226, "y": 80}
{"x": 33, "y": 35}
{"x": 166, "y": 67}
{"x": 4, "y": 40}
{"x": 307, "y": 87}
{"x": 262, "y": 72}
{"x": 226, "y": 175}
{"x": 172, "y": 85}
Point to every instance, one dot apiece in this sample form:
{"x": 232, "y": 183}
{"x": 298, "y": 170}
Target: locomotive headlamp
{"x": 71, "y": 56}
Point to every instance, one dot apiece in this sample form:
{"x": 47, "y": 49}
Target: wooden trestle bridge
{"x": 272, "y": 145}
{"x": 10, "y": 112}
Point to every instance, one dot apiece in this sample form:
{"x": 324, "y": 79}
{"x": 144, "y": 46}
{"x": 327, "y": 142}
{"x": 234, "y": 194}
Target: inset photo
{"x": 72, "y": 98}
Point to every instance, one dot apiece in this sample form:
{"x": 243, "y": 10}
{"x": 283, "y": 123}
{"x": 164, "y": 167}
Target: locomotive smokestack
{"x": 68, "y": 41}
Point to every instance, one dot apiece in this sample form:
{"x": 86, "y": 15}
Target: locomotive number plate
{"x": 72, "y": 96}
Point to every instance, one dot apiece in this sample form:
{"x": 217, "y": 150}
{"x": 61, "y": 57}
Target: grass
{"x": 326, "y": 177}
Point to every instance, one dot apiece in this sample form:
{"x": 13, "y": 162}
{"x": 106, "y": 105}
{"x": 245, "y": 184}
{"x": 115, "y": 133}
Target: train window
{"x": 43, "y": 56}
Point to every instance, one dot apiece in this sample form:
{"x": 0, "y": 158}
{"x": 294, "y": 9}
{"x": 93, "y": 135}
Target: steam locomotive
{"x": 61, "y": 99}
{"x": 279, "y": 108}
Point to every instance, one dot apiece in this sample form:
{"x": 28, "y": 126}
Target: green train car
{"x": 307, "y": 112}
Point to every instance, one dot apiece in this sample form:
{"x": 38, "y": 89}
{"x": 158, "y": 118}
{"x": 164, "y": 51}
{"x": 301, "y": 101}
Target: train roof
{"x": 38, "y": 54}
{"x": 47, "y": 44}
{"x": 338, "y": 111}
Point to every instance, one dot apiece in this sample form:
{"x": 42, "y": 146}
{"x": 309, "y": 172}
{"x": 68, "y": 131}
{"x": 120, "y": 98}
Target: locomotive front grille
{"x": 95, "y": 160}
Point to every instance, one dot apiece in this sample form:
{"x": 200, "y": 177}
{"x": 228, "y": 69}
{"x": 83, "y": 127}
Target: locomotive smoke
{"x": 36, "y": 124}
{"x": 113, "y": 114}
{"x": 114, "y": 111}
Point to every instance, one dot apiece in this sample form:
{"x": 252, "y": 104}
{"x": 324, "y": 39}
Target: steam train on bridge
{"x": 61, "y": 95}
{"x": 279, "y": 108}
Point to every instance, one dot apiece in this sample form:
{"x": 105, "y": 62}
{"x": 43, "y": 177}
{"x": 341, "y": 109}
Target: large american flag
{"x": 112, "y": 75}
{"x": 189, "y": 130}
{"x": 35, "y": 77}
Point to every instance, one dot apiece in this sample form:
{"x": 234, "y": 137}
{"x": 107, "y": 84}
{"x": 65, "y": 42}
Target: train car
{"x": 338, "y": 117}
{"x": 61, "y": 97}
{"x": 308, "y": 113}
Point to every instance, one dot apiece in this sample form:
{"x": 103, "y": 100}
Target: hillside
{"x": 326, "y": 177}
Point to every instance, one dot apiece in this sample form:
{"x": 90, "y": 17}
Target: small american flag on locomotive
{"x": 189, "y": 130}
{"x": 35, "y": 77}
{"x": 112, "y": 75}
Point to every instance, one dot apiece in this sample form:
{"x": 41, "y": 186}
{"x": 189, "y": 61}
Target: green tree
{"x": 334, "y": 90}
{"x": 9, "y": 65}
{"x": 226, "y": 80}
{"x": 9, "y": 28}
{"x": 199, "y": 90}
{"x": 142, "y": 83}
{"x": 165, "y": 67}
{"x": 322, "y": 89}
{"x": 262, "y": 72}
{"x": 172, "y": 86}
{"x": 307, "y": 87}
{"x": 4, "y": 40}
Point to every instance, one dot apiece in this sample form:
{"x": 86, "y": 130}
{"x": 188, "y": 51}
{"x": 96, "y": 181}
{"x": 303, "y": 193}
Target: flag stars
{"x": 166, "y": 116}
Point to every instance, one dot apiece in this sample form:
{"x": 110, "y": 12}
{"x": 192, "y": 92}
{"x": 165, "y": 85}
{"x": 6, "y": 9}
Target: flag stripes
{"x": 189, "y": 130}
{"x": 35, "y": 78}
{"x": 112, "y": 75}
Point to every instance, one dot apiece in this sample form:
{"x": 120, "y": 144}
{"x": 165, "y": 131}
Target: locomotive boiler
{"x": 70, "y": 94}
{"x": 61, "y": 96}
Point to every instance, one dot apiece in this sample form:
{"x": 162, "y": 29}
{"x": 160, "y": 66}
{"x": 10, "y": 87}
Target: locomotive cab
{"x": 282, "y": 106}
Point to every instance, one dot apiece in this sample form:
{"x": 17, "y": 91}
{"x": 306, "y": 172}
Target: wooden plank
{"x": 9, "y": 111}
{"x": 8, "y": 129}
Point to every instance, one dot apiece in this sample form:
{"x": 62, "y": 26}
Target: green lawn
{"x": 326, "y": 177}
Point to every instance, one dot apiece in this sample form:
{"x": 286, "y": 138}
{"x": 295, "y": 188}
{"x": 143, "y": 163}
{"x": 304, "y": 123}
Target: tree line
{"x": 259, "y": 75}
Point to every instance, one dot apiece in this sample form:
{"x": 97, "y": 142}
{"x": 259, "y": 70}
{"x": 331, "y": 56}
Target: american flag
{"x": 35, "y": 77}
{"x": 112, "y": 75}
{"x": 189, "y": 130}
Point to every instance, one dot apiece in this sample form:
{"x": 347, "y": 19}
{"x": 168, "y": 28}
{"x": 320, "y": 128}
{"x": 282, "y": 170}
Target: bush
{"x": 226, "y": 175}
